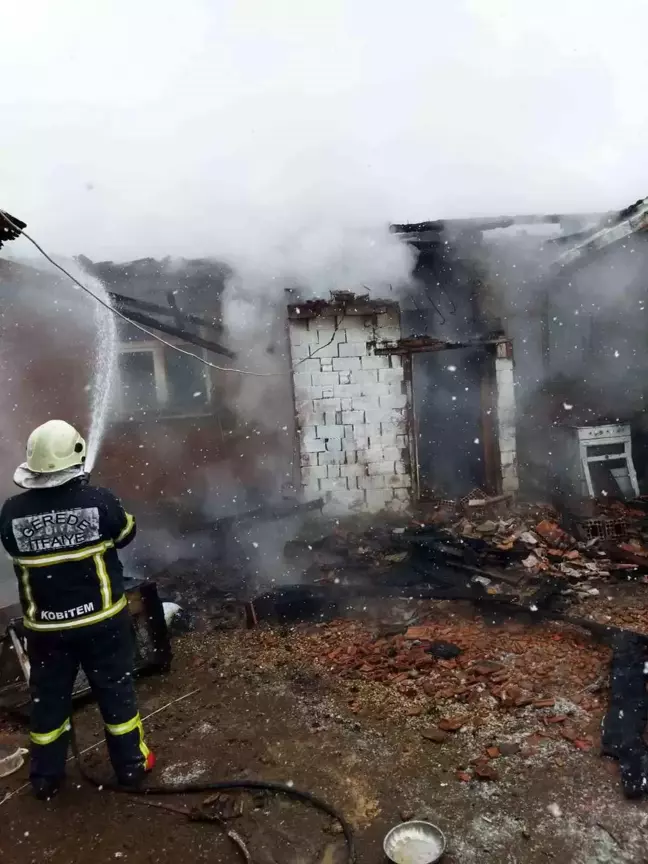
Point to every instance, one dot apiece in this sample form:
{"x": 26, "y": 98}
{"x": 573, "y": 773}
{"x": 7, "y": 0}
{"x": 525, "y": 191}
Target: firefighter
{"x": 63, "y": 535}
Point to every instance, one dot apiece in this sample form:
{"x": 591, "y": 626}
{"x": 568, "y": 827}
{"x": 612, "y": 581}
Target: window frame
{"x": 161, "y": 380}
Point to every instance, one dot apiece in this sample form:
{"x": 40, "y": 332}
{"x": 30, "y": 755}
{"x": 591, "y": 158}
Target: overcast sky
{"x": 137, "y": 127}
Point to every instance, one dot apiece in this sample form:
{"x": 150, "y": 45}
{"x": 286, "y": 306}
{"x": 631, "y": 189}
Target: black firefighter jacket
{"x": 63, "y": 543}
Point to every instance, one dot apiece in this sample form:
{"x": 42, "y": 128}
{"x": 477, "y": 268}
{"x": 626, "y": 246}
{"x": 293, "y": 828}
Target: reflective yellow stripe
{"x": 64, "y": 557}
{"x": 130, "y": 726}
{"x": 78, "y": 622}
{"x": 45, "y": 738}
{"x": 30, "y": 612}
{"x": 130, "y": 522}
{"x": 144, "y": 750}
{"x": 124, "y": 728}
{"x": 104, "y": 580}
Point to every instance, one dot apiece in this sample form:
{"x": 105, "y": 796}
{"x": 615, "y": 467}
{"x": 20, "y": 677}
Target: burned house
{"x": 511, "y": 335}
{"x": 568, "y": 294}
{"x": 359, "y": 398}
{"x": 171, "y": 418}
{"x": 175, "y": 446}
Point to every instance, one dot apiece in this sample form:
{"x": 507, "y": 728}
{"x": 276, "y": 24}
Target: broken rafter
{"x": 328, "y": 308}
{"x": 419, "y": 344}
{"x": 491, "y": 223}
{"x": 632, "y": 220}
{"x": 178, "y": 333}
{"x": 121, "y": 301}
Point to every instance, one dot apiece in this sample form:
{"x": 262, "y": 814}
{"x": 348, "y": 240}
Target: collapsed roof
{"x": 581, "y": 233}
{"x": 178, "y": 297}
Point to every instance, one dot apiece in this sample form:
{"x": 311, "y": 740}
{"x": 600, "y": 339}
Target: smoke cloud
{"x": 284, "y": 137}
{"x": 146, "y": 128}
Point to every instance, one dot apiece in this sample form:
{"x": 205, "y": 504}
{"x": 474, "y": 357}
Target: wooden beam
{"x": 184, "y": 335}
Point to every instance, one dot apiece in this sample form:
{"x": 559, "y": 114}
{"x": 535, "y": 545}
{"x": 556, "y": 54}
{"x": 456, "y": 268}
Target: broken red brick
{"x": 424, "y": 632}
{"x": 569, "y": 734}
{"x": 464, "y": 776}
{"x": 556, "y": 718}
{"x": 447, "y": 664}
{"x": 438, "y": 736}
{"x": 582, "y": 744}
{"x": 544, "y": 703}
{"x": 513, "y": 692}
{"x": 484, "y": 771}
{"x": 430, "y": 688}
{"x": 414, "y": 711}
{"x": 553, "y": 534}
{"x": 451, "y": 724}
{"x": 493, "y": 752}
{"x": 447, "y": 693}
{"x": 486, "y": 667}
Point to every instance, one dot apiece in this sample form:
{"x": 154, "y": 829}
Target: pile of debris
{"x": 505, "y": 691}
{"x": 611, "y": 541}
{"x": 512, "y": 685}
{"x": 465, "y": 662}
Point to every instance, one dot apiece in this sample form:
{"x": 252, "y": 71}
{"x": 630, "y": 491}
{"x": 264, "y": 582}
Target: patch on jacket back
{"x": 53, "y": 532}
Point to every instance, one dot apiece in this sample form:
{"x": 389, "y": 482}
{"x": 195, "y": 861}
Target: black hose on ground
{"x": 226, "y": 786}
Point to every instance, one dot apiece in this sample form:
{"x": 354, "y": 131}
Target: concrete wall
{"x": 351, "y": 411}
{"x": 506, "y": 419}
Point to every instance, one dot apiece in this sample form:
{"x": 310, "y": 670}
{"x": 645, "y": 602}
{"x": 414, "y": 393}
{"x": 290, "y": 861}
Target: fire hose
{"x": 222, "y": 786}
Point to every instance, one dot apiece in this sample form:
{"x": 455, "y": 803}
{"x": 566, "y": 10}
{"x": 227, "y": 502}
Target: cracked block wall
{"x": 351, "y": 410}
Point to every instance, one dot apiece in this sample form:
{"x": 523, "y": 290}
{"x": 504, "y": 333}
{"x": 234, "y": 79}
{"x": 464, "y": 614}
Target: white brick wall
{"x": 351, "y": 412}
{"x": 505, "y": 381}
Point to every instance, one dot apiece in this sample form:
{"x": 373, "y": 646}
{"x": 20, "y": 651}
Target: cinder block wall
{"x": 351, "y": 411}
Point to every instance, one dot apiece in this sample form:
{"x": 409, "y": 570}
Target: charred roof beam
{"x": 137, "y": 311}
{"x": 184, "y": 335}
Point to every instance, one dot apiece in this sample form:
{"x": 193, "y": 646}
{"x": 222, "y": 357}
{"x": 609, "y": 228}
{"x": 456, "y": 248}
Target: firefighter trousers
{"x": 105, "y": 653}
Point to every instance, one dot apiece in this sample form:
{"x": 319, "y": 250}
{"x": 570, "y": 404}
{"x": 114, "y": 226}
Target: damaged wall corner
{"x": 506, "y": 434}
{"x": 351, "y": 406}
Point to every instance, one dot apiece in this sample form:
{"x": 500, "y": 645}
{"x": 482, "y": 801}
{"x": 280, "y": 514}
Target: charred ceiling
{"x": 180, "y": 298}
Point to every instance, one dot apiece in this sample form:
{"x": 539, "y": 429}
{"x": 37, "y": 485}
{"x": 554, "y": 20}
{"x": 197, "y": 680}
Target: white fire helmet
{"x": 54, "y": 446}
